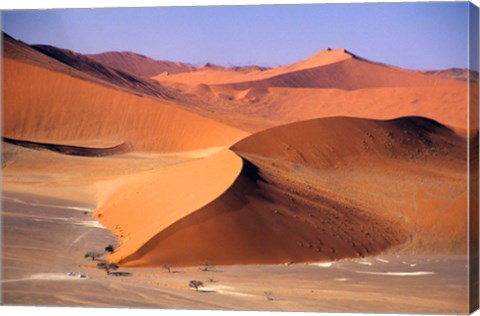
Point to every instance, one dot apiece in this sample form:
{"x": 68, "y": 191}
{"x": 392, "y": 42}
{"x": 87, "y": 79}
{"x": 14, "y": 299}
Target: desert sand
{"x": 331, "y": 83}
{"x": 318, "y": 178}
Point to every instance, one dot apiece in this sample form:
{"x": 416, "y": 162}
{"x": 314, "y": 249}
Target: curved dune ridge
{"x": 349, "y": 74}
{"x": 152, "y": 201}
{"x": 140, "y": 65}
{"x": 81, "y": 111}
{"x": 285, "y": 206}
{"x": 70, "y": 149}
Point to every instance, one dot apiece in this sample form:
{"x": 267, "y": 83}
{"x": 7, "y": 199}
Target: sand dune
{"x": 80, "y": 111}
{"x": 330, "y": 83}
{"x": 81, "y": 67}
{"x": 409, "y": 169}
{"x": 105, "y": 73}
{"x": 317, "y": 190}
{"x": 165, "y": 196}
{"x": 337, "y": 143}
{"x": 348, "y": 74}
{"x": 71, "y": 150}
{"x": 455, "y": 73}
{"x": 284, "y": 207}
{"x": 140, "y": 65}
{"x": 329, "y": 68}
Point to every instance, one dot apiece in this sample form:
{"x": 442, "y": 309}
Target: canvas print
{"x": 318, "y": 157}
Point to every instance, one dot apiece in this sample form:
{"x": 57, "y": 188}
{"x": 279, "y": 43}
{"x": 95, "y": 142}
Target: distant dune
{"x": 330, "y": 83}
{"x": 105, "y": 73}
{"x": 337, "y": 69}
{"x": 288, "y": 204}
{"x": 81, "y": 67}
{"x": 340, "y": 70}
{"x": 140, "y": 65}
{"x": 80, "y": 111}
{"x": 455, "y": 73}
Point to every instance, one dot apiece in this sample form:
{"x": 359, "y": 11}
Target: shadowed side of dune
{"x": 265, "y": 218}
{"x": 307, "y": 192}
{"x": 71, "y": 150}
{"x": 348, "y": 74}
{"x": 103, "y": 72}
{"x": 140, "y": 65}
{"x": 151, "y": 201}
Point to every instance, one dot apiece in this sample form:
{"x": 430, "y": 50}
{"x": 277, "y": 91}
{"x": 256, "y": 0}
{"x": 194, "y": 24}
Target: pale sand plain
{"x": 35, "y": 273}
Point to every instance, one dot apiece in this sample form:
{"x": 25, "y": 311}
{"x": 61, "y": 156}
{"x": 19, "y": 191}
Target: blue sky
{"x": 409, "y": 35}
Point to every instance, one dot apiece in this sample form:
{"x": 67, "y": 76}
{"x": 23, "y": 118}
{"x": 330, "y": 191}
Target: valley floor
{"x": 44, "y": 239}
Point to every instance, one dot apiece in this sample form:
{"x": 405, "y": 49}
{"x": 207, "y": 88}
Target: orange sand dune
{"x": 72, "y": 150}
{"x": 328, "y": 69}
{"x": 80, "y": 111}
{"x": 256, "y": 109}
{"x": 82, "y": 67}
{"x": 140, "y": 65}
{"x": 324, "y": 190}
{"x": 412, "y": 169}
{"x": 349, "y": 74}
{"x": 446, "y": 104}
{"x": 331, "y": 83}
{"x": 107, "y": 74}
{"x": 152, "y": 201}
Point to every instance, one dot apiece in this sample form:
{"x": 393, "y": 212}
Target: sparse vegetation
{"x": 107, "y": 266}
{"x": 167, "y": 266}
{"x": 206, "y": 267}
{"x": 268, "y": 296}
{"x": 109, "y": 248}
{"x": 92, "y": 255}
{"x": 195, "y": 284}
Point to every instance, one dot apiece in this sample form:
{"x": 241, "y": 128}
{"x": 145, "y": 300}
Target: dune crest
{"x": 81, "y": 111}
{"x": 164, "y": 196}
{"x": 271, "y": 214}
{"x": 140, "y": 65}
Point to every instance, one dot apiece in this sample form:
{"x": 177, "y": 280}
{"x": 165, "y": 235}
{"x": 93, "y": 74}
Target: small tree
{"x": 195, "y": 284}
{"x": 268, "y": 295}
{"x": 107, "y": 266}
{"x": 167, "y": 266}
{"x": 206, "y": 266}
{"x": 92, "y": 255}
{"x": 109, "y": 248}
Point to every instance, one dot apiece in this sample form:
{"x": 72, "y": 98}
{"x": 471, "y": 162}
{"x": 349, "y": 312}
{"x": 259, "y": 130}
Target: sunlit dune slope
{"x": 328, "y": 189}
{"x": 262, "y": 219}
{"x": 349, "y": 74}
{"x": 81, "y": 67}
{"x": 446, "y": 104}
{"x": 328, "y": 69}
{"x": 330, "y": 83}
{"x": 152, "y": 201}
{"x": 79, "y": 111}
{"x": 334, "y": 141}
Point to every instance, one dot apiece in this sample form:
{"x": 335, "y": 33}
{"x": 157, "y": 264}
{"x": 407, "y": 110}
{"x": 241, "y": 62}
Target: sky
{"x": 408, "y": 35}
